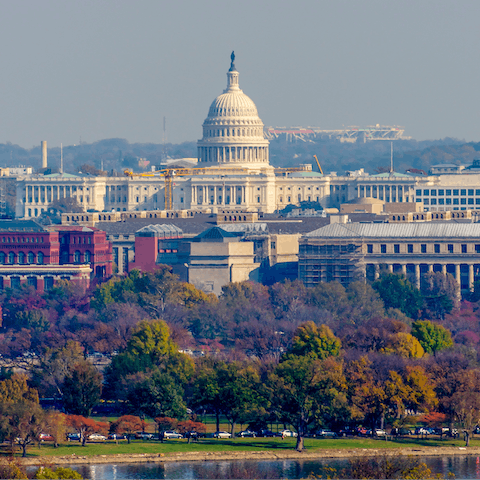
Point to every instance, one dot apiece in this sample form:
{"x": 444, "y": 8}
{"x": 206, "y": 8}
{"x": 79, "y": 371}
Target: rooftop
{"x": 398, "y": 230}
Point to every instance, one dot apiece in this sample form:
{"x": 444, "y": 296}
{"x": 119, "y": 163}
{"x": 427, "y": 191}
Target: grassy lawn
{"x": 243, "y": 444}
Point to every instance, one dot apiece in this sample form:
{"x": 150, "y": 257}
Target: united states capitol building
{"x": 234, "y": 174}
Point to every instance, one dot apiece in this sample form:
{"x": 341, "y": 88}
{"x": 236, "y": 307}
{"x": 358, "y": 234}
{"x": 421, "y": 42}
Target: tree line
{"x": 326, "y": 357}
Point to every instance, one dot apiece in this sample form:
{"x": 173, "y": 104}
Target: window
{"x": 273, "y": 245}
{"x": 441, "y": 201}
{"x": 418, "y": 193}
{"x": 455, "y": 191}
{"x": 15, "y": 282}
{"x": 470, "y": 201}
{"x": 2, "y": 258}
{"x": 470, "y": 191}
{"x": 437, "y": 248}
{"x": 441, "y": 192}
{"x": 48, "y": 283}
{"x": 396, "y": 248}
{"x": 40, "y": 258}
{"x": 425, "y": 201}
{"x": 433, "y": 193}
{"x": 76, "y": 256}
{"x": 463, "y": 201}
{"x": 450, "y": 248}
{"x": 448, "y": 192}
{"x": 455, "y": 201}
{"x": 463, "y": 191}
{"x": 477, "y": 192}
{"x": 11, "y": 258}
{"x": 477, "y": 248}
{"x": 433, "y": 201}
{"x": 87, "y": 256}
{"x": 423, "y": 248}
{"x": 369, "y": 248}
{"x": 425, "y": 192}
{"x": 410, "y": 248}
{"x": 383, "y": 248}
{"x": 32, "y": 282}
{"x": 448, "y": 201}
{"x": 21, "y": 258}
{"x": 464, "y": 248}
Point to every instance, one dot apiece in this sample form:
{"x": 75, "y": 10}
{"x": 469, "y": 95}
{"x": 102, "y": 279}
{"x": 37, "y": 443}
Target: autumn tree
{"x": 191, "y": 428}
{"x": 22, "y": 423}
{"x": 55, "y": 425}
{"x": 83, "y": 426}
{"x": 16, "y": 390}
{"x": 127, "y": 424}
{"x": 316, "y": 342}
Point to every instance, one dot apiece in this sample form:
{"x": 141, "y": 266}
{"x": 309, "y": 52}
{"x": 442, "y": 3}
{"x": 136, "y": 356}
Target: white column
{"x": 457, "y": 274}
{"x": 404, "y": 269}
{"x": 470, "y": 277}
{"x": 417, "y": 275}
{"x": 444, "y": 269}
{"x": 430, "y": 267}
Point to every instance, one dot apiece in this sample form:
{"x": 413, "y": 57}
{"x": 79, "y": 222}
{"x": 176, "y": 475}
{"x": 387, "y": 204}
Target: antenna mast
{"x": 164, "y": 153}
{"x": 61, "y": 158}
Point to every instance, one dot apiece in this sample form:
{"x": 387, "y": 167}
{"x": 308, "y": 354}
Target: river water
{"x": 462, "y": 466}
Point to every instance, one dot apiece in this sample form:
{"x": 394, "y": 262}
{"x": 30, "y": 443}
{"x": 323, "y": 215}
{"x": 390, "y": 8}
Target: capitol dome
{"x": 233, "y": 132}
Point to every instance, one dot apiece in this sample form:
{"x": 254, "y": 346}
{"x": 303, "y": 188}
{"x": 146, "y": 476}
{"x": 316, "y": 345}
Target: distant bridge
{"x": 349, "y": 134}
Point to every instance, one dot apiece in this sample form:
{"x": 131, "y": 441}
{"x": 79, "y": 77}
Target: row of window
{"x": 30, "y": 258}
{"x": 15, "y": 282}
{"x": 450, "y": 201}
{"x": 448, "y": 192}
{"x": 410, "y": 248}
{"x": 22, "y": 239}
{"x": 23, "y": 259}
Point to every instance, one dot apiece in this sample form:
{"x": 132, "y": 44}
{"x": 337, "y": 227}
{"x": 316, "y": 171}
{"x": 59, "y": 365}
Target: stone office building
{"x": 357, "y": 251}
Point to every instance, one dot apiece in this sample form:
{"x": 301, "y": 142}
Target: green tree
{"x": 432, "y": 336}
{"x": 397, "y": 292}
{"x": 151, "y": 339}
{"x": 317, "y": 342}
{"x": 309, "y": 390}
{"x": 155, "y": 394}
{"x": 58, "y": 473}
{"x": 239, "y": 394}
{"x": 441, "y": 293}
{"x": 82, "y": 389}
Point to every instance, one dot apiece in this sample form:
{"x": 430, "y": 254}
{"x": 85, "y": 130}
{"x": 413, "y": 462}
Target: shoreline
{"x": 246, "y": 456}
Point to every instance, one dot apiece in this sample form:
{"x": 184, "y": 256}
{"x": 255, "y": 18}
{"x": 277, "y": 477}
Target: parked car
{"x": 422, "y": 431}
{"x": 288, "y": 433}
{"x": 222, "y": 435}
{"x": 268, "y": 433}
{"x": 74, "y": 437}
{"x": 378, "y": 432}
{"x": 325, "y": 433}
{"x": 247, "y": 433}
{"x": 476, "y": 430}
{"x": 171, "y": 434}
{"x": 95, "y": 437}
{"x": 46, "y": 437}
{"x": 117, "y": 436}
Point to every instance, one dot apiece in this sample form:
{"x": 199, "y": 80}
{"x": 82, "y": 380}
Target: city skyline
{"x": 104, "y": 69}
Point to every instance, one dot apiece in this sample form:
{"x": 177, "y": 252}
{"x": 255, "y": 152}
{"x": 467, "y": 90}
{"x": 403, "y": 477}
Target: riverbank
{"x": 245, "y": 455}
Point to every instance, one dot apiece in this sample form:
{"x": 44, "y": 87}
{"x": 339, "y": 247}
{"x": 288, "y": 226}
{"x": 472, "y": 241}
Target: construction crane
{"x": 169, "y": 173}
{"x": 318, "y": 163}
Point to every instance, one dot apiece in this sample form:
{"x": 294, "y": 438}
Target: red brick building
{"x": 37, "y": 255}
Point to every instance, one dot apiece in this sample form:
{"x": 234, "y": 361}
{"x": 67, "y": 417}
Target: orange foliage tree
{"x": 84, "y": 426}
{"x": 128, "y": 424}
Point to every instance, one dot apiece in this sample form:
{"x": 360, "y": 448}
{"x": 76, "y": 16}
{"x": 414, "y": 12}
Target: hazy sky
{"x": 95, "y": 69}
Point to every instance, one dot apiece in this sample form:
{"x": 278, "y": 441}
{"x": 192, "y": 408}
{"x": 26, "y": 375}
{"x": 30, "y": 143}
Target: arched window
{"x": 21, "y": 258}
{"x": 31, "y": 257}
{"x": 11, "y": 258}
{"x": 2, "y": 258}
{"x": 40, "y": 258}
{"x": 87, "y": 256}
{"x": 76, "y": 257}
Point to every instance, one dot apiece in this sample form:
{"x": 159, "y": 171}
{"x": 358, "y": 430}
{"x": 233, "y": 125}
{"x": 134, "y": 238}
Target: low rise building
{"x": 37, "y": 255}
{"x": 357, "y": 251}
